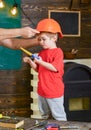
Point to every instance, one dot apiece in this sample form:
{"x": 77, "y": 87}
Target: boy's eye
{"x": 43, "y": 39}
{"x": 40, "y": 39}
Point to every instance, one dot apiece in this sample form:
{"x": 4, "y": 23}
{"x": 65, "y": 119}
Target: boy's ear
{"x": 55, "y": 38}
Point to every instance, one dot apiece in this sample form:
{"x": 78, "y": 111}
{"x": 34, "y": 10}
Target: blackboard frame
{"x": 70, "y": 21}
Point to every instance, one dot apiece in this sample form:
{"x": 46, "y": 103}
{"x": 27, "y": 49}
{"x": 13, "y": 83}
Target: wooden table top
{"x": 64, "y": 125}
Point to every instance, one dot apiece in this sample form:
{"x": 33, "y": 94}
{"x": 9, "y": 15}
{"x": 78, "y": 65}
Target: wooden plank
{"x": 11, "y": 123}
{"x": 84, "y": 53}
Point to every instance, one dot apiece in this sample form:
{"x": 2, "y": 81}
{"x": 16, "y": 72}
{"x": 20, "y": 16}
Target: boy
{"x": 50, "y": 70}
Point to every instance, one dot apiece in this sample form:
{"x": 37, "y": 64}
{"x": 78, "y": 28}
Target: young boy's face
{"x": 46, "y": 41}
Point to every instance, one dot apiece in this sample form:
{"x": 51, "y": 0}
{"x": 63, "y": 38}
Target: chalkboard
{"x": 68, "y": 20}
{"x": 9, "y": 58}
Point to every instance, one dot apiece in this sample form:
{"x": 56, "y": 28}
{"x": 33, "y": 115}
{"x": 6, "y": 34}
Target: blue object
{"x": 34, "y": 56}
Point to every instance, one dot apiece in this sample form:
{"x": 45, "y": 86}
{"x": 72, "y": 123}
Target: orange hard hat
{"x": 49, "y": 25}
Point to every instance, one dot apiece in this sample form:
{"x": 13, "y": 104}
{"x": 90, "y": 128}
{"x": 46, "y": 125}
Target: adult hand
{"x": 28, "y": 32}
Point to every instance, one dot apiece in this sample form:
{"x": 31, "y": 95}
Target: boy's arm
{"x": 30, "y": 62}
{"x": 47, "y": 65}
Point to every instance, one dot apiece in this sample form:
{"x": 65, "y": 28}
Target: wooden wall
{"x": 37, "y": 10}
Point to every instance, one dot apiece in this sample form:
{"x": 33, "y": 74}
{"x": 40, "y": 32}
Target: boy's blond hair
{"x": 50, "y": 35}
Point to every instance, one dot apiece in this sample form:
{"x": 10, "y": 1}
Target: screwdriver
{"x": 32, "y": 56}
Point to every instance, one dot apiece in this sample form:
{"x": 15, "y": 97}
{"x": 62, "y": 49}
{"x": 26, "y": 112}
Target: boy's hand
{"x": 38, "y": 60}
{"x": 33, "y": 56}
{"x": 30, "y": 62}
{"x": 27, "y": 59}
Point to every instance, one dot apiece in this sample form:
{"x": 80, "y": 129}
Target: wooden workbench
{"x": 29, "y": 123}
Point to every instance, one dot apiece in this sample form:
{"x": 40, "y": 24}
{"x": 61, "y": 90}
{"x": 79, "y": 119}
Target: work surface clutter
{"x": 20, "y": 123}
